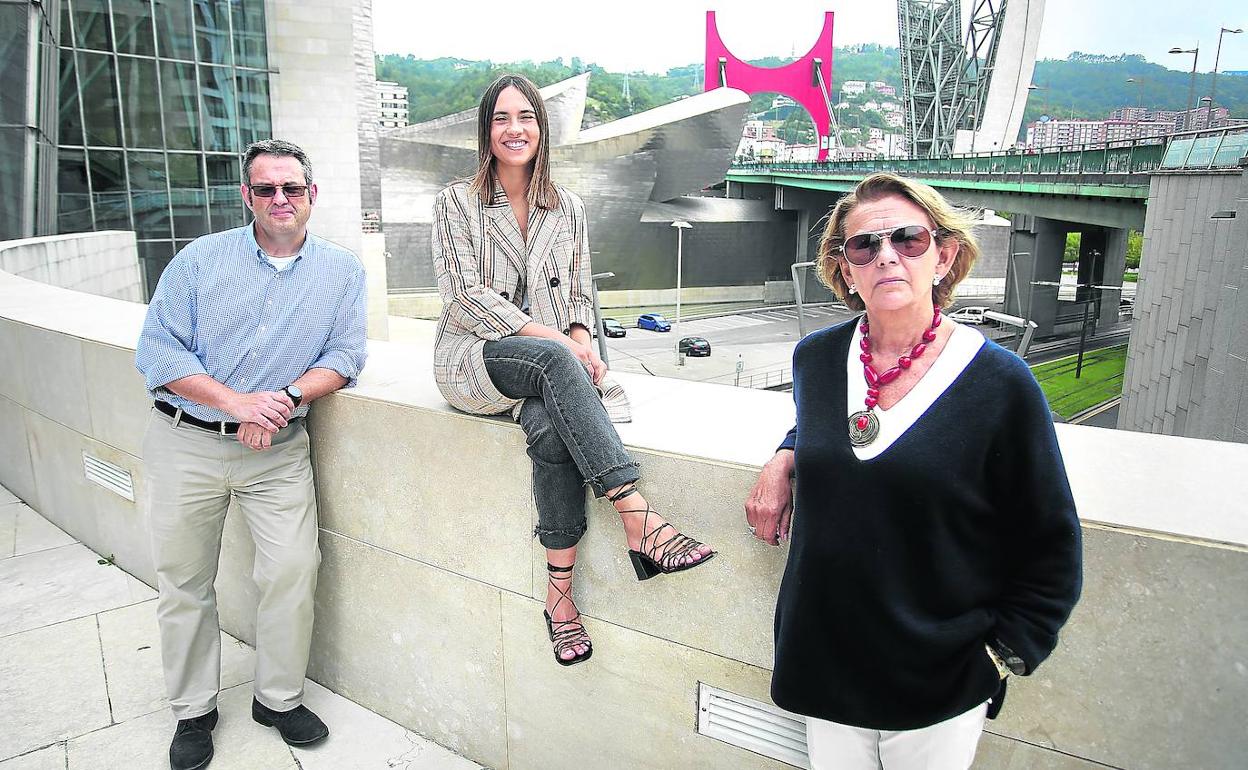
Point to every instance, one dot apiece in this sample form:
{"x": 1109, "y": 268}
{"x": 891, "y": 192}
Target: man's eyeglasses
{"x": 910, "y": 241}
{"x": 269, "y": 190}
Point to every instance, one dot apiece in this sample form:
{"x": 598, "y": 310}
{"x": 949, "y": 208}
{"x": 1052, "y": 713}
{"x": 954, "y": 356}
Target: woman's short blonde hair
{"x": 948, "y": 221}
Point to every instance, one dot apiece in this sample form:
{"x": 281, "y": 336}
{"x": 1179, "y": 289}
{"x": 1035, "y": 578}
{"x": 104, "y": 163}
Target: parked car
{"x": 613, "y": 328}
{"x": 970, "y": 315}
{"x": 654, "y": 322}
{"x": 694, "y": 346}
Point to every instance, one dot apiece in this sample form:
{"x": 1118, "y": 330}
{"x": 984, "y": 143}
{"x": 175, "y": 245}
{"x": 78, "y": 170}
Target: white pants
{"x": 947, "y": 745}
{"x": 191, "y": 475}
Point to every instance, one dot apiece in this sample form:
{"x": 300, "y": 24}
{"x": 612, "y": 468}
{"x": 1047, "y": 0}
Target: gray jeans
{"x": 571, "y": 440}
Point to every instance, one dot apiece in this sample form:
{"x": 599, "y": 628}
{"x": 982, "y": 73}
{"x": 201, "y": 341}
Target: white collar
{"x": 961, "y": 347}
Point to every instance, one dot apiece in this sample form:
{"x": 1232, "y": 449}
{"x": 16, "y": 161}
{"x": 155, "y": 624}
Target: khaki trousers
{"x": 191, "y": 475}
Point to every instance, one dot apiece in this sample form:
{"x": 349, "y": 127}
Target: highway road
{"x": 763, "y": 341}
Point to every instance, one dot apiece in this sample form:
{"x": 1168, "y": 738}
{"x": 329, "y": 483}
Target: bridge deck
{"x": 1119, "y": 170}
{"x": 1097, "y": 186}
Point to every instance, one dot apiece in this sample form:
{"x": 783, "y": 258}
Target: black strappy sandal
{"x": 566, "y": 634}
{"x": 659, "y": 556}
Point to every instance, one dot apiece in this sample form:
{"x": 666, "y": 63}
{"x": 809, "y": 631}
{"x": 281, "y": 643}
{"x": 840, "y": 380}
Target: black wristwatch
{"x": 1012, "y": 661}
{"x": 295, "y": 394}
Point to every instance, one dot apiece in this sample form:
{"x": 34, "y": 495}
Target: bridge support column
{"x": 804, "y": 252}
{"x": 1102, "y": 260}
{"x": 1036, "y": 247}
{"x": 808, "y": 251}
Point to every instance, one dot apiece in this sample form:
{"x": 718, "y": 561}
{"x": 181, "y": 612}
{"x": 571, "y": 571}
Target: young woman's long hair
{"x": 541, "y": 189}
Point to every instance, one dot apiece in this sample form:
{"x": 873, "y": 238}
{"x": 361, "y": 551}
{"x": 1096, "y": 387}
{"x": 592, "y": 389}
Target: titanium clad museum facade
{"x": 129, "y": 115}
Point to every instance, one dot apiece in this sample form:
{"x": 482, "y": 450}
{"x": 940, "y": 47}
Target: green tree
{"x": 1071, "y": 252}
{"x": 1135, "y": 246}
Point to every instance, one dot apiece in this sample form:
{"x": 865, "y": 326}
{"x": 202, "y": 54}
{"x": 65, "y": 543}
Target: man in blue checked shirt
{"x": 246, "y": 328}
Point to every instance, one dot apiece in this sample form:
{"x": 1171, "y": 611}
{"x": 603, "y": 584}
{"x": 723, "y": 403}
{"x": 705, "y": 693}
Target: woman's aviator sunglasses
{"x": 269, "y": 190}
{"x": 910, "y": 241}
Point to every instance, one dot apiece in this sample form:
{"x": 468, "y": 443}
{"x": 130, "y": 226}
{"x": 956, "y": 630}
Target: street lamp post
{"x": 1034, "y": 87}
{"x": 798, "y": 270}
{"x": 1191, "y": 85}
{"x": 602, "y": 333}
{"x": 1213, "y": 88}
{"x": 1139, "y": 88}
{"x": 681, "y": 226}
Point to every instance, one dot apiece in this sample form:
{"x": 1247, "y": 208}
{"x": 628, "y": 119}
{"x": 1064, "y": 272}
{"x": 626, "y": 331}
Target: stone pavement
{"x": 81, "y": 683}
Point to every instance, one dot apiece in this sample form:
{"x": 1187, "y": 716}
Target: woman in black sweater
{"x": 936, "y": 547}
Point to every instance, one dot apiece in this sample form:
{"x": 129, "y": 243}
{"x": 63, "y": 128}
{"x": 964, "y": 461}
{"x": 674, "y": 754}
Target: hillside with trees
{"x": 1082, "y": 85}
{"x": 1090, "y": 86}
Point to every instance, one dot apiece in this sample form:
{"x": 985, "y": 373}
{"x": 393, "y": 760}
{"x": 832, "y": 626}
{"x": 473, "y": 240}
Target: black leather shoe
{"x": 298, "y": 727}
{"x": 192, "y": 742}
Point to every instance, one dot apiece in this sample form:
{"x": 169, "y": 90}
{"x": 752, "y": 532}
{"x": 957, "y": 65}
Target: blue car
{"x": 654, "y": 322}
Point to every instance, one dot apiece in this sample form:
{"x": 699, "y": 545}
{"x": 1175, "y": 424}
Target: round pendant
{"x": 863, "y": 436}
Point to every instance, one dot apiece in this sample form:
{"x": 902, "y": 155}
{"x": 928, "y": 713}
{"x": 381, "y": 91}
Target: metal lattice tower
{"x": 983, "y": 40}
{"x": 944, "y": 76}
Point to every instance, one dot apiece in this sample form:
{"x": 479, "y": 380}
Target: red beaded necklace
{"x": 864, "y": 426}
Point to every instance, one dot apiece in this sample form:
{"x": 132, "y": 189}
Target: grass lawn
{"x": 1100, "y": 380}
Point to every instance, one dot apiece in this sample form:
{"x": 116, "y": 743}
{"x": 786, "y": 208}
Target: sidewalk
{"x": 81, "y": 683}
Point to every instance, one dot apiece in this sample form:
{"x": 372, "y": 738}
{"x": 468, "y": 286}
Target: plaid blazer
{"x": 487, "y": 273}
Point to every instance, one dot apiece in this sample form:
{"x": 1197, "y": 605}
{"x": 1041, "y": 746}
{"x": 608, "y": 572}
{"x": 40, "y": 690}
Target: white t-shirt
{"x": 281, "y": 263}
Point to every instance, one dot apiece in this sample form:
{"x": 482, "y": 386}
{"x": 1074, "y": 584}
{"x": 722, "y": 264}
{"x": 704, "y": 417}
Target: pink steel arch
{"x": 799, "y": 80}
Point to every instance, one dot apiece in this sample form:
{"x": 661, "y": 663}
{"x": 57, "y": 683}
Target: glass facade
{"x": 157, "y": 99}
{"x": 15, "y": 74}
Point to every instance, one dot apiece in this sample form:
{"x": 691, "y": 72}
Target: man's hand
{"x": 252, "y": 435}
{"x": 769, "y": 508}
{"x": 268, "y": 409}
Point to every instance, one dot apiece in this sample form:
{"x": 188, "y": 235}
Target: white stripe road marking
{"x": 762, "y": 318}
{"x": 723, "y": 323}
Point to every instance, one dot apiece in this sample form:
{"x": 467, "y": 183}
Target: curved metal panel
{"x": 618, "y": 168}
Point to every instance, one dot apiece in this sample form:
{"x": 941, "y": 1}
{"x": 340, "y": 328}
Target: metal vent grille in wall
{"x": 752, "y": 725}
{"x": 114, "y": 478}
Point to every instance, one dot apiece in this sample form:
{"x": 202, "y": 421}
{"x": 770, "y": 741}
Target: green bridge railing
{"x": 1216, "y": 149}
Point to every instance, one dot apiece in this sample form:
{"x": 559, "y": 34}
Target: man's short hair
{"x": 280, "y": 148}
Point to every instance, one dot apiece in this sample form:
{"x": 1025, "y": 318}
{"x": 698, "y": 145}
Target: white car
{"x": 970, "y": 315}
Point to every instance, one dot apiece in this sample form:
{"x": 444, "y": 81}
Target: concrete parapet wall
{"x": 415, "y": 304}
{"x": 104, "y": 263}
{"x": 429, "y": 599}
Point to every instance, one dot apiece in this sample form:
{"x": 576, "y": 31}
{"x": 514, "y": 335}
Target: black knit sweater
{"x": 903, "y": 566}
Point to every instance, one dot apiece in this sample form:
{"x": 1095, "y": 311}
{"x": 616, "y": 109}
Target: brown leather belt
{"x": 221, "y": 428}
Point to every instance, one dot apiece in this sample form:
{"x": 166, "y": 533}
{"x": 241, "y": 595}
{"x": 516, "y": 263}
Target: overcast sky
{"x": 653, "y": 35}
